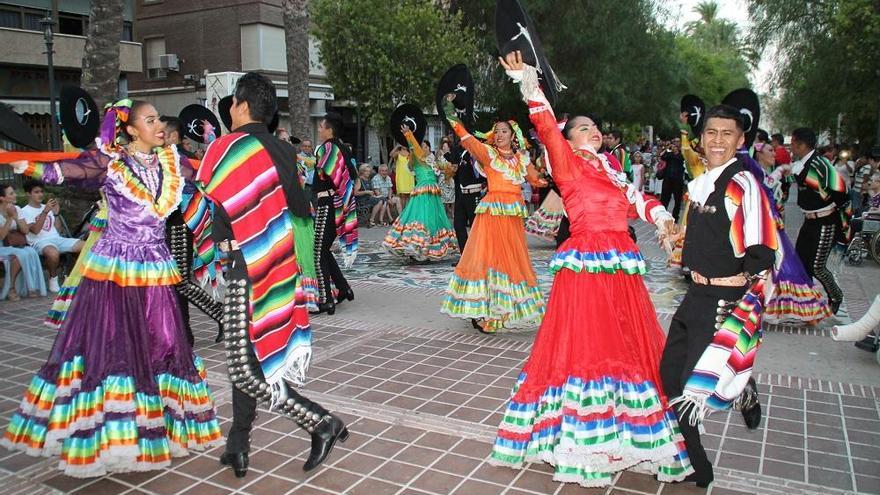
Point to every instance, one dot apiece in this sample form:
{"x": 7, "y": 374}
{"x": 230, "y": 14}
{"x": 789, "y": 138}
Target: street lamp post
{"x": 47, "y": 24}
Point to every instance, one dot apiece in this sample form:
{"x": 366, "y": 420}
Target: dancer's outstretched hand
{"x": 513, "y": 61}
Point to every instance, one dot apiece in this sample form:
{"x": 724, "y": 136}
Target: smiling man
{"x": 729, "y": 246}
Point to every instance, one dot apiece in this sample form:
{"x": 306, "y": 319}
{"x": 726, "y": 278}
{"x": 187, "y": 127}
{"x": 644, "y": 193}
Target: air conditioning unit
{"x": 169, "y": 61}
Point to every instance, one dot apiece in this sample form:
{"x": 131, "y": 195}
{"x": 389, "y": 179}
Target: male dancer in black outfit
{"x": 725, "y": 258}
{"x": 469, "y": 188}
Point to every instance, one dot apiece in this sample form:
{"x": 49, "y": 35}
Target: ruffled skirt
{"x": 544, "y": 222}
{"x": 589, "y": 400}
{"x": 494, "y": 280}
{"x": 121, "y": 390}
{"x": 422, "y": 231}
{"x": 795, "y": 295}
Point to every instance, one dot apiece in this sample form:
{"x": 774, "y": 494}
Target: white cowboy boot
{"x": 859, "y": 329}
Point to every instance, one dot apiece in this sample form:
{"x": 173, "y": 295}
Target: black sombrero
{"x": 13, "y": 128}
{"x": 80, "y": 118}
{"x": 191, "y": 118}
{"x": 746, "y": 101}
{"x": 514, "y": 30}
{"x": 224, "y": 106}
{"x": 273, "y": 125}
{"x": 457, "y": 80}
{"x": 696, "y": 111}
{"x": 413, "y": 117}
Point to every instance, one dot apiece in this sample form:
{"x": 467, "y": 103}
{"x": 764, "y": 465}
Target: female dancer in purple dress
{"x": 121, "y": 390}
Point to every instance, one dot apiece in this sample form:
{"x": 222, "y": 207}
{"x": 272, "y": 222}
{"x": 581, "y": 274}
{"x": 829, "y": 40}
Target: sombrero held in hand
{"x": 457, "y": 80}
{"x": 413, "y": 117}
{"x": 192, "y": 119}
{"x": 224, "y": 108}
{"x": 514, "y": 30}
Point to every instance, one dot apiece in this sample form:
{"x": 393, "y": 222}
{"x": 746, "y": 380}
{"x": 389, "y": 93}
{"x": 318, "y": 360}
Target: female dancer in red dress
{"x": 589, "y": 399}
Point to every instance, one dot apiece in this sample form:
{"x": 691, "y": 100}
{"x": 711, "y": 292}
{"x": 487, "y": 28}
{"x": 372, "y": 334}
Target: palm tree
{"x": 296, "y": 35}
{"x": 100, "y": 66}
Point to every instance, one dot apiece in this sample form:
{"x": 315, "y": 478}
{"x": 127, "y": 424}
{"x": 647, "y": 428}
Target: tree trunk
{"x": 296, "y": 34}
{"x": 100, "y": 73}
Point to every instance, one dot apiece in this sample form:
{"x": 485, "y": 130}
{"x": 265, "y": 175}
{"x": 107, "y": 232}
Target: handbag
{"x": 15, "y": 239}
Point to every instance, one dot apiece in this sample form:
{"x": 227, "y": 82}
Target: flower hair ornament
{"x": 489, "y": 137}
{"x": 115, "y": 118}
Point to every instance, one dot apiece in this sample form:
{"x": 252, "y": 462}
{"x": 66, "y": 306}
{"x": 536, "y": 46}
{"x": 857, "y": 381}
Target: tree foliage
{"x": 100, "y": 74}
{"x": 829, "y": 65}
{"x": 617, "y": 58}
{"x": 386, "y": 52}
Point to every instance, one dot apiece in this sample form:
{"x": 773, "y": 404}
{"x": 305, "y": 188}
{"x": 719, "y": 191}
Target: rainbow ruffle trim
{"x": 433, "y": 189}
{"x": 113, "y": 427}
{"x": 130, "y": 273}
{"x": 611, "y": 261}
{"x": 495, "y": 298}
{"x": 796, "y": 302}
{"x": 414, "y": 240}
{"x": 544, "y": 224}
{"x": 58, "y": 311}
{"x": 591, "y": 429}
{"x": 500, "y": 208}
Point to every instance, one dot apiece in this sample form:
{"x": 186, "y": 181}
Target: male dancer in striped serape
{"x": 259, "y": 208}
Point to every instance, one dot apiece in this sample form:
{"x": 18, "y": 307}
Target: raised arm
{"x": 478, "y": 150}
{"x": 559, "y": 152}
{"x": 414, "y": 146}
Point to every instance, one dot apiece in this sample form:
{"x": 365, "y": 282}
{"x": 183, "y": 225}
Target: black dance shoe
{"x": 869, "y": 343}
{"x": 219, "y": 337}
{"x": 835, "y": 306}
{"x": 750, "y": 407}
{"x": 324, "y": 438}
{"x": 345, "y": 296}
{"x": 702, "y": 481}
{"x": 238, "y": 462}
{"x": 329, "y": 308}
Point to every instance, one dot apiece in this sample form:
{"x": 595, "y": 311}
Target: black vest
{"x": 465, "y": 175}
{"x": 320, "y": 183}
{"x": 707, "y": 249}
{"x": 809, "y": 198}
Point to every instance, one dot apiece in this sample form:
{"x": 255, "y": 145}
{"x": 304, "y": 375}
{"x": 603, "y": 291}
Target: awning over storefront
{"x": 38, "y": 107}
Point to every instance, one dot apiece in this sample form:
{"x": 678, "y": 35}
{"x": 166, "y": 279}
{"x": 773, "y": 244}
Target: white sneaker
{"x": 53, "y": 284}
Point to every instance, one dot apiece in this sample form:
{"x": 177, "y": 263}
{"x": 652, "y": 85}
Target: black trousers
{"x": 690, "y": 333}
{"x": 465, "y": 204}
{"x": 327, "y": 267}
{"x": 244, "y": 406}
{"x": 672, "y": 189}
{"x": 814, "y": 244}
{"x": 176, "y": 219}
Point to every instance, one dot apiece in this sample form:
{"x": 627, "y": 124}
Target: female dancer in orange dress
{"x": 494, "y": 283}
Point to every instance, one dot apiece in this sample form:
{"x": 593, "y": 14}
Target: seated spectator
{"x": 41, "y": 224}
{"x": 365, "y": 195}
{"x": 382, "y": 185}
{"x": 16, "y": 255}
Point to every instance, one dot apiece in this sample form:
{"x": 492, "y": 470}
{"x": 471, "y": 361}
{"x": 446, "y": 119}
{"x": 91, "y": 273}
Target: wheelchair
{"x": 866, "y": 242}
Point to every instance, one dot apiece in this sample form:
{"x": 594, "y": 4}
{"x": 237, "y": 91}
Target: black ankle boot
{"x": 238, "y": 462}
{"x": 324, "y": 437}
{"x": 345, "y": 296}
{"x": 835, "y": 306}
{"x": 702, "y": 481}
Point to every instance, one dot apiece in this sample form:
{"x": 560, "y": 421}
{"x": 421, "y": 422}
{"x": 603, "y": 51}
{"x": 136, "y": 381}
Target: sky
{"x": 733, "y": 10}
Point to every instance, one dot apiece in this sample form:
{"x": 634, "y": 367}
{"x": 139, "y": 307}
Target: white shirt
{"x": 29, "y": 214}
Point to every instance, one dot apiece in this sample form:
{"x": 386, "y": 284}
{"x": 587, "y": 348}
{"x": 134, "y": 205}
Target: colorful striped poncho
{"x": 331, "y": 163}
{"x": 239, "y": 175}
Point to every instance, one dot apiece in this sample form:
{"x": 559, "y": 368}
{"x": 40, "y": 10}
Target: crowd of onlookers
{"x": 32, "y": 241}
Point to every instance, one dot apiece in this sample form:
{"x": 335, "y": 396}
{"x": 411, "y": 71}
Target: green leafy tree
{"x": 383, "y": 53}
{"x": 829, "y": 65}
